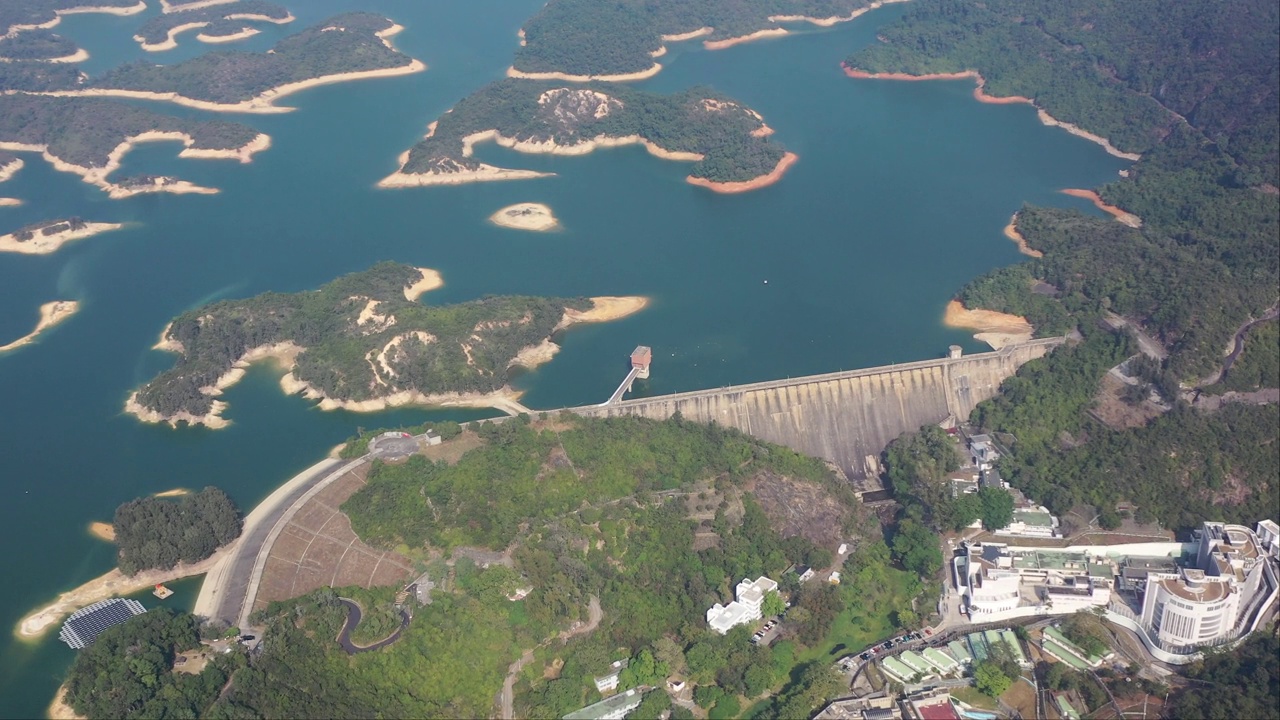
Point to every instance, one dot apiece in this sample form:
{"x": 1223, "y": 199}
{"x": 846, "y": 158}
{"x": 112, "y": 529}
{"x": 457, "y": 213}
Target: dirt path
{"x": 594, "y": 615}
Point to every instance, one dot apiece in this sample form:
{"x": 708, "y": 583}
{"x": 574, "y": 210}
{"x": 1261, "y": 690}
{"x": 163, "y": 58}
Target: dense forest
{"x": 128, "y": 670}
{"x": 917, "y": 465}
{"x": 36, "y": 45}
{"x": 587, "y": 37}
{"x": 84, "y": 131}
{"x": 341, "y": 44}
{"x": 698, "y": 120}
{"x": 1244, "y": 683}
{"x": 1191, "y": 86}
{"x": 219, "y": 20}
{"x": 362, "y": 338}
{"x": 159, "y": 533}
{"x": 39, "y": 12}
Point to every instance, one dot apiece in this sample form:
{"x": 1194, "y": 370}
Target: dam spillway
{"x": 845, "y": 417}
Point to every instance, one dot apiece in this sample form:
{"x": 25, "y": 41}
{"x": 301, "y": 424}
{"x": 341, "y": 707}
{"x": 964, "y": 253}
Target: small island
{"x": 46, "y": 237}
{"x": 362, "y": 343}
{"x": 224, "y": 22}
{"x": 354, "y": 46}
{"x": 526, "y": 216}
{"x": 727, "y": 142}
{"x": 51, "y": 314}
{"x": 584, "y": 40}
{"x": 90, "y": 137}
{"x": 40, "y": 45}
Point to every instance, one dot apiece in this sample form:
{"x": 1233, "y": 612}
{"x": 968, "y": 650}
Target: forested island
{"x": 1193, "y": 88}
{"x": 628, "y": 527}
{"x": 220, "y": 23}
{"x": 346, "y": 47}
{"x": 363, "y": 342}
{"x": 40, "y": 45}
{"x": 21, "y": 15}
{"x": 88, "y": 137}
{"x": 158, "y": 533}
{"x": 585, "y": 39}
{"x": 726, "y": 141}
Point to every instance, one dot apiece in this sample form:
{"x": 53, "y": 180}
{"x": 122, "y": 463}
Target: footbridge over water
{"x": 845, "y": 417}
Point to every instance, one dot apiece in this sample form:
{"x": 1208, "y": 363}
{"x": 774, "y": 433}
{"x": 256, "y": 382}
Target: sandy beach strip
{"x": 103, "y": 531}
{"x": 829, "y": 21}
{"x": 108, "y": 585}
{"x": 13, "y": 30}
{"x": 80, "y": 55}
{"x": 11, "y": 168}
{"x": 656, "y": 68}
{"x": 9, "y": 202}
{"x": 483, "y": 173}
{"x": 169, "y": 7}
{"x": 44, "y": 244}
{"x": 742, "y": 186}
{"x": 1011, "y": 232}
{"x": 51, "y": 314}
{"x": 750, "y": 37}
{"x": 212, "y": 419}
{"x": 59, "y": 709}
{"x": 532, "y": 356}
{"x": 176, "y": 492}
{"x": 604, "y": 308}
{"x": 526, "y": 216}
{"x": 981, "y": 96}
{"x": 1120, "y": 215}
{"x": 431, "y": 280}
{"x": 994, "y": 328}
{"x": 215, "y": 39}
{"x": 171, "y": 41}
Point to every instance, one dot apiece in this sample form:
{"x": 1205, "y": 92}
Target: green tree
{"x": 707, "y": 695}
{"x": 726, "y": 708}
{"x": 773, "y": 604}
{"x": 997, "y": 508}
{"x": 990, "y": 679}
{"x": 653, "y": 704}
{"x": 918, "y": 549}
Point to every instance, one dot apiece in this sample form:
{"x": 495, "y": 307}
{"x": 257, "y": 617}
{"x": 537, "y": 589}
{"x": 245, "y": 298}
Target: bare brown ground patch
{"x": 317, "y": 548}
{"x": 1022, "y": 697}
{"x": 796, "y": 507}
{"x": 452, "y": 451}
{"x": 1111, "y": 409}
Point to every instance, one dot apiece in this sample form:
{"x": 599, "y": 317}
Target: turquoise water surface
{"x": 897, "y": 201}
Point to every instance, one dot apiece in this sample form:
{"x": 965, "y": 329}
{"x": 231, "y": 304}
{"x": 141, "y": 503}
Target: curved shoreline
{"x": 1126, "y": 218}
{"x": 81, "y": 10}
{"x": 981, "y": 96}
{"x": 11, "y": 168}
{"x": 526, "y": 216}
{"x": 997, "y": 329}
{"x": 741, "y": 186}
{"x": 264, "y": 102}
{"x": 103, "y": 531}
{"x": 512, "y": 72}
{"x": 98, "y": 175}
{"x": 1011, "y": 232}
{"x": 167, "y": 7}
{"x": 171, "y": 40}
{"x": 44, "y": 244}
{"x": 749, "y": 37}
{"x": 51, "y": 314}
{"x": 80, "y": 55}
{"x": 216, "y": 39}
{"x": 431, "y": 280}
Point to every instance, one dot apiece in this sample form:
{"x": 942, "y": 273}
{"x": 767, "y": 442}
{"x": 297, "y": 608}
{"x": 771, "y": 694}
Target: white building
{"x": 1032, "y": 522}
{"x": 982, "y": 452}
{"x": 609, "y": 683}
{"x": 746, "y": 608}
{"x": 1233, "y": 578}
{"x": 611, "y": 708}
{"x": 997, "y": 580}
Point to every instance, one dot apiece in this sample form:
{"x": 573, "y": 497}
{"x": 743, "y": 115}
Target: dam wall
{"x": 845, "y": 417}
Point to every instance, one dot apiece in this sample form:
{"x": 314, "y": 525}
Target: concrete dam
{"x": 845, "y": 417}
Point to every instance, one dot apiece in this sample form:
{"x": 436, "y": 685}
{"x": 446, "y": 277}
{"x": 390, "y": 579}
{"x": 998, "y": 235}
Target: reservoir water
{"x": 898, "y": 199}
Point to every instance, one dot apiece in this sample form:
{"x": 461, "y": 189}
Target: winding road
{"x": 353, "y": 619}
{"x": 594, "y": 616}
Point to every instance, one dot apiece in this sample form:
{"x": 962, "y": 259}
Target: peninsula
{"x": 219, "y": 23}
{"x": 89, "y": 137}
{"x": 17, "y": 16}
{"x": 354, "y": 46}
{"x": 726, "y": 141}
{"x": 40, "y": 45}
{"x": 585, "y": 40}
{"x": 46, "y": 237}
{"x": 51, "y": 314}
{"x": 361, "y": 343}
{"x": 526, "y": 216}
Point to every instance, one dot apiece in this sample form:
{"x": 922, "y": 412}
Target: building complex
{"x": 746, "y": 608}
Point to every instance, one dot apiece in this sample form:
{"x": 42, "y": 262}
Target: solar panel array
{"x": 84, "y": 625}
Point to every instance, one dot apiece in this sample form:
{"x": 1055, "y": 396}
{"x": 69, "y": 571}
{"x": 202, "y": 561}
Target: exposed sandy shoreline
{"x": 1011, "y": 232}
{"x": 171, "y": 41}
{"x": 512, "y": 72}
{"x": 994, "y": 328}
{"x": 98, "y": 175}
{"x": 215, "y": 39}
{"x": 772, "y": 177}
{"x": 8, "y": 170}
{"x": 176, "y": 492}
{"x": 80, "y": 55}
{"x": 1121, "y": 216}
{"x": 604, "y": 308}
{"x": 757, "y": 35}
{"x": 526, "y": 216}
{"x": 9, "y": 202}
{"x": 692, "y": 34}
{"x": 51, "y": 313}
{"x": 829, "y": 21}
{"x": 431, "y": 280}
{"x": 45, "y": 244}
{"x": 112, "y": 584}
{"x": 59, "y": 709}
{"x": 167, "y": 7}
{"x": 57, "y": 16}
{"x": 981, "y": 96}
{"x": 103, "y": 531}
{"x": 263, "y": 103}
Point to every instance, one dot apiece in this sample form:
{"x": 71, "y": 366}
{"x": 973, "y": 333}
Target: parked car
{"x": 928, "y": 631}
{"x": 865, "y": 656}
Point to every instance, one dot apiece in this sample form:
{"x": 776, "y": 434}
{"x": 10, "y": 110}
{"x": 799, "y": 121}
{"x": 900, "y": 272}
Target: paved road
{"x": 353, "y": 619}
{"x": 594, "y": 616}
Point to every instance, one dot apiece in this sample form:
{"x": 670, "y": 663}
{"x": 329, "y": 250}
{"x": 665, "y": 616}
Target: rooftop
{"x": 606, "y": 706}
{"x": 1195, "y": 590}
{"x": 1033, "y": 517}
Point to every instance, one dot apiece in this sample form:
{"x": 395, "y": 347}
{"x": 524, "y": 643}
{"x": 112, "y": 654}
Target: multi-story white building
{"x": 746, "y": 608}
{"x": 997, "y": 580}
{"x": 1234, "y": 577}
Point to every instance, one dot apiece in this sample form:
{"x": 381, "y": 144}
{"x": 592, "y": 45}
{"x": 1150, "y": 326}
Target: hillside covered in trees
{"x": 586, "y": 37}
{"x": 1241, "y": 684}
{"x": 154, "y": 532}
{"x": 84, "y": 131}
{"x": 341, "y": 44}
{"x": 729, "y": 137}
{"x": 39, "y": 12}
{"x": 36, "y": 45}
{"x": 357, "y": 338}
